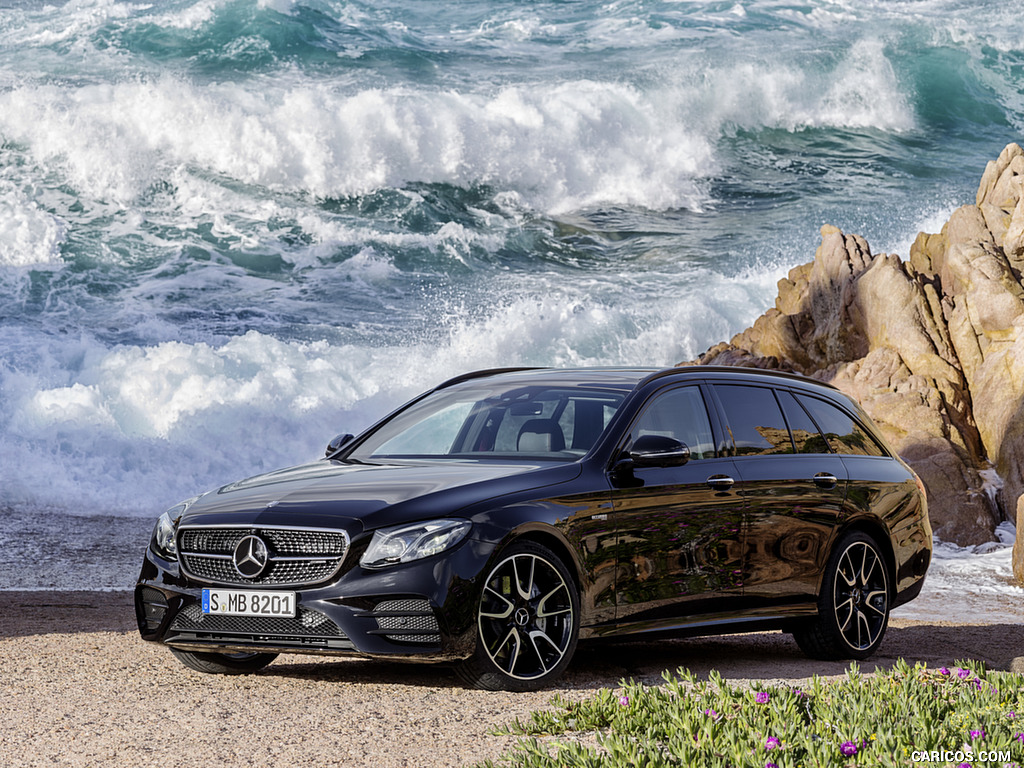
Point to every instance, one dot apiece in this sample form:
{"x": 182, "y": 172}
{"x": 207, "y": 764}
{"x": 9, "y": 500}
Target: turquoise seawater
{"x": 230, "y": 230}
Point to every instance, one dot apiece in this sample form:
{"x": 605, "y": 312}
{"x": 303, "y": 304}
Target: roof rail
{"x": 712, "y": 369}
{"x": 484, "y": 372}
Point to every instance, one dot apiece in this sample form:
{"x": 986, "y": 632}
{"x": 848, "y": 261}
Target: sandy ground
{"x": 79, "y": 688}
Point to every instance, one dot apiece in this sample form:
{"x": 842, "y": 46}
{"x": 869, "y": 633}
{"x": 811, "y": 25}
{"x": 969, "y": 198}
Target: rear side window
{"x": 681, "y": 414}
{"x": 805, "y": 433}
{"x": 754, "y": 420}
{"x": 843, "y": 433}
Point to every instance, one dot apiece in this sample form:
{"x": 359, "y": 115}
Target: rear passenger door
{"x": 794, "y": 486}
{"x": 877, "y": 484}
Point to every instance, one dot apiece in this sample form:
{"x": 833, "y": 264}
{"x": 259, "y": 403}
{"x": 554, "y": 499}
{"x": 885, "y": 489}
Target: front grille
{"x": 297, "y": 556}
{"x": 287, "y": 541}
{"x": 308, "y": 623}
{"x": 410, "y": 621}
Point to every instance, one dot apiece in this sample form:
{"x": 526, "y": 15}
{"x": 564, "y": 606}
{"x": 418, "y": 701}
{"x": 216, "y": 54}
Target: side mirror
{"x": 338, "y": 443}
{"x": 658, "y": 451}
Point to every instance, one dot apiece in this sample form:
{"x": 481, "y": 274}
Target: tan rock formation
{"x": 932, "y": 347}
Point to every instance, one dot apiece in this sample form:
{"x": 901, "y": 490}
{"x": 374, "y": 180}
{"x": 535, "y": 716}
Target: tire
{"x": 853, "y": 607}
{"x": 223, "y": 663}
{"x": 527, "y": 621}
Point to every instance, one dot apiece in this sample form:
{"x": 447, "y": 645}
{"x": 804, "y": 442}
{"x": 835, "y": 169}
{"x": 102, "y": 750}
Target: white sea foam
{"x": 29, "y": 236}
{"x": 132, "y": 428}
{"x": 562, "y": 146}
{"x": 930, "y": 222}
{"x": 970, "y": 584}
{"x": 862, "y": 91}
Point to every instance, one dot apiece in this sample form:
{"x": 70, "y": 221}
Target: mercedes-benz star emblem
{"x": 250, "y": 557}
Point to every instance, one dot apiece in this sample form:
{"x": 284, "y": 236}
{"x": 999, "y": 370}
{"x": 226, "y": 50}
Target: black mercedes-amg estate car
{"x": 499, "y": 518}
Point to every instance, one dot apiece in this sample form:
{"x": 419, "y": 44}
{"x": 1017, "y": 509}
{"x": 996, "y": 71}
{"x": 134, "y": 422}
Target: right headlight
{"x": 166, "y": 527}
{"x": 403, "y": 543}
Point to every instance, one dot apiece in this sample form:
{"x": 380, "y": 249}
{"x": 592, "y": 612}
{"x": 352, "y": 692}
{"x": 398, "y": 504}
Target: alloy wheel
{"x": 526, "y": 616}
{"x": 861, "y": 595}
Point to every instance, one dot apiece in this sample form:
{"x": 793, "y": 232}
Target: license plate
{"x": 233, "y": 602}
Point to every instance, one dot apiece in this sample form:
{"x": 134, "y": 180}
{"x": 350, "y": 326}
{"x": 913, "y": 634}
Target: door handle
{"x": 720, "y": 482}
{"x": 825, "y": 480}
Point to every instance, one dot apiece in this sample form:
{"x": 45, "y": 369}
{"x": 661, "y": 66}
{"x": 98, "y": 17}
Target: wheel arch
{"x": 549, "y": 538}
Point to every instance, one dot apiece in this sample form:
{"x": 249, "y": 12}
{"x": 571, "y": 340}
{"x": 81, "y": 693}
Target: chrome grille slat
{"x": 306, "y": 542}
{"x": 298, "y": 556}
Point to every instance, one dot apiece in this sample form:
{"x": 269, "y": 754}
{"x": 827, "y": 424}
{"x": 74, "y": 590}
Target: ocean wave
{"x": 130, "y": 428}
{"x": 861, "y": 90}
{"x": 562, "y": 147}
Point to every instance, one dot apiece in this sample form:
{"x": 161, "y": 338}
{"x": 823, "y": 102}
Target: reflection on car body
{"x": 498, "y": 519}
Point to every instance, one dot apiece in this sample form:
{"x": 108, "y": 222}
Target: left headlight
{"x": 166, "y": 526}
{"x": 403, "y": 543}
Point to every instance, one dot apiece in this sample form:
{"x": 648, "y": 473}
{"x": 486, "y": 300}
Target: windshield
{"x": 481, "y": 422}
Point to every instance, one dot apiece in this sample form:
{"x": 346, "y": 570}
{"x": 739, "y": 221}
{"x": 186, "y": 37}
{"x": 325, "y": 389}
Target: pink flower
{"x": 624, "y": 700}
{"x": 772, "y": 743}
{"x": 848, "y": 748}
{"x": 975, "y": 735}
{"x": 762, "y": 697}
{"x": 963, "y": 674}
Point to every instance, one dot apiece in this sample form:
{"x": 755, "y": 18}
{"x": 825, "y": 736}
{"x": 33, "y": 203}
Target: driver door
{"x": 679, "y": 529}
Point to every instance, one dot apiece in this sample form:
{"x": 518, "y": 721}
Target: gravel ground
{"x": 79, "y": 688}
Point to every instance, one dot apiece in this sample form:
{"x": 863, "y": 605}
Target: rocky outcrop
{"x": 931, "y": 346}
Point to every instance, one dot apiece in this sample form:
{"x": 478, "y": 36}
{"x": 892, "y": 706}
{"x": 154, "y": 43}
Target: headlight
{"x": 412, "y": 542}
{"x": 166, "y": 526}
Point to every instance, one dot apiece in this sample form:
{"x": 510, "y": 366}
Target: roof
{"x": 627, "y": 378}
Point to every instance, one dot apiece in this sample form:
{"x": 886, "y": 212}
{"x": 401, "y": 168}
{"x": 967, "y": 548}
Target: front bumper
{"x": 421, "y": 611}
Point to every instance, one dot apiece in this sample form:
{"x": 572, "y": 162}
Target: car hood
{"x": 367, "y": 496}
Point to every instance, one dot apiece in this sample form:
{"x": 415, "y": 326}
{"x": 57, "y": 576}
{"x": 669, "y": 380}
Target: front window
{"x": 481, "y": 420}
{"x": 682, "y": 415}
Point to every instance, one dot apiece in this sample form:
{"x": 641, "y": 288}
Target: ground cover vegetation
{"x": 960, "y": 716}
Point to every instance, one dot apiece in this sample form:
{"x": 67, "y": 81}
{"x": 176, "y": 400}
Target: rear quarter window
{"x": 841, "y": 430}
{"x": 805, "y": 433}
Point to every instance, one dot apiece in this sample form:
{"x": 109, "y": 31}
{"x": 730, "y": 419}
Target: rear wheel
{"x": 527, "y": 621}
{"x": 853, "y": 608}
{"x": 223, "y": 663}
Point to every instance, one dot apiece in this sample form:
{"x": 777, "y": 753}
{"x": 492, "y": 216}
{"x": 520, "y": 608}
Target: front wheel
{"x": 527, "y": 621}
{"x": 853, "y": 608}
{"x": 223, "y": 663}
